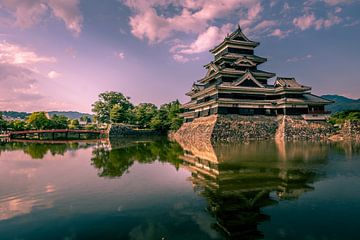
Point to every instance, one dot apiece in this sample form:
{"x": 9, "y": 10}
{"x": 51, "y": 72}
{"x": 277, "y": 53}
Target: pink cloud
{"x": 151, "y": 22}
{"x": 206, "y": 40}
{"x": 14, "y": 54}
{"x": 263, "y": 26}
{"x": 338, "y": 9}
{"x": 180, "y": 58}
{"x": 297, "y": 59}
{"x": 304, "y": 22}
{"x": 337, "y": 2}
{"x": 308, "y": 21}
{"x": 194, "y": 17}
{"x": 20, "y": 82}
{"x": 53, "y": 74}
{"x": 253, "y": 14}
{"x": 120, "y": 55}
{"x": 279, "y": 33}
{"x": 68, "y": 11}
{"x": 29, "y": 13}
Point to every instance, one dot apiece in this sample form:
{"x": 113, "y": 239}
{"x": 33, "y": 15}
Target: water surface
{"x": 157, "y": 189}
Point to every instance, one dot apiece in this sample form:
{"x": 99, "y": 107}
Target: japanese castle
{"x": 233, "y": 84}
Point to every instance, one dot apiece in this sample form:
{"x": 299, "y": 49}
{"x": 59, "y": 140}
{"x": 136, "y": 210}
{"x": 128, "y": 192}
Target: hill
{"x": 14, "y": 115}
{"x": 70, "y": 114}
{"x": 23, "y": 115}
{"x": 342, "y": 103}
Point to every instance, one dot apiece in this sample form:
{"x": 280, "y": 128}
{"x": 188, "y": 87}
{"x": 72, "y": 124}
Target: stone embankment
{"x": 232, "y": 128}
{"x": 122, "y": 130}
{"x": 296, "y": 128}
{"x": 350, "y": 130}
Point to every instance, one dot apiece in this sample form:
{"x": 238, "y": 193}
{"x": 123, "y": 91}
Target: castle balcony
{"x": 188, "y": 104}
{"x": 187, "y": 114}
{"x": 319, "y": 112}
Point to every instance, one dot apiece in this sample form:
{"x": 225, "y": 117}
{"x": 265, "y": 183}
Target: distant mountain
{"x": 70, "y": 114}
{"x": 342, "y": 103}
{"x": 14, "y": 115}
{"x": 23, "y": 115}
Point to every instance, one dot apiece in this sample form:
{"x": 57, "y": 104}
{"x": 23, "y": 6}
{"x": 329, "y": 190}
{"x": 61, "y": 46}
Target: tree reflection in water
{"x": 38, "y": 150}
{"x": 115, "y": 159}
{"x": 237, "y": 180}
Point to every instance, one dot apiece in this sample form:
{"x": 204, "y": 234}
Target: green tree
{"x": 160, "y": 121}
{"x": 74, "y": 124}
{"x": 144, "y": 113}
{"x": 39, "y": 120}
{"x": 17, "y": 125}
{"x": 168, "y": 117}
{"x": 174, "y": 110}
{"x": 85, "y": 118}
{"x": 106, "y": 103}
{"x": 59, "y": 122}
{"x": 341, "y": 117}
{"x": 119, "y": 114}
{"x": 3, "y": 123}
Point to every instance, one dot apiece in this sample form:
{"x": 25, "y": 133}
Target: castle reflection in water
{"x": 237, "y": 180}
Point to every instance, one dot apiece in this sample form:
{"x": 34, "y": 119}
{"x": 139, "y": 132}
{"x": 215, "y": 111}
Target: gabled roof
{"x": 244, "y": 61}
{"x": 236, "y": 38}
{"x": 247, "y": 76}
{"x": 288, "y": 82}
{"x": 238, "y": 35}
{"x": 232, "y": 56}
{"x": 212, "y": 68}
{"x": 316, "y": 99}
{"x": 196, "y": 87}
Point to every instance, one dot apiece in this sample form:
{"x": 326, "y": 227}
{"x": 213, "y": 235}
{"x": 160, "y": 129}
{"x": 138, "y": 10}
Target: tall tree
{"x": 59, "y": 122}
{"x": 85, "y": 118}
{"x": 3, "y": 123}
{"x": 144, "y": 113}
{"x": 167, "y": 118}
{"x": 39, "y": 120}
{"x": 17, "y": 125}
{"x": 106, "y": 103}
{"x": 74, "y": 124}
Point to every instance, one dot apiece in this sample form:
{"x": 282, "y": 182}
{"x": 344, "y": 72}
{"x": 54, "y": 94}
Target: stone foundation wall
{"x": 199, "y": 129}
{"x": 233, "y": 128}
{"x": 351, "y": 130}
{"x": 120, "y": 130}
{"x": 296, "y": 128}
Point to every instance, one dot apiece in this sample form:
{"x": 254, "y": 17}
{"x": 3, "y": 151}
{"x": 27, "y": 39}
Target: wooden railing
{"x": 24, "y": 134}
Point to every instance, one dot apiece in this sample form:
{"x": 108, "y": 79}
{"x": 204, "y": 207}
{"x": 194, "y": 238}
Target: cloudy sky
{"x": 60, "y": 54}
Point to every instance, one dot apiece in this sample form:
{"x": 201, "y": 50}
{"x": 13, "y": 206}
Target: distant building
{"x": 233, "y": 84}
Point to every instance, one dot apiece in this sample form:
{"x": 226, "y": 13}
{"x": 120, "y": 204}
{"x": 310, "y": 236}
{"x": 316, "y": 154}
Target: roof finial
{"x": 239, "y": 28}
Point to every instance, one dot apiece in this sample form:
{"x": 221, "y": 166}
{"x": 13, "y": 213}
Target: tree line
{"x": 41, "y": 121}
{"x": 111, "y": 107}
{"x": 114, "y": 107}
{"x": 341, "y": 117}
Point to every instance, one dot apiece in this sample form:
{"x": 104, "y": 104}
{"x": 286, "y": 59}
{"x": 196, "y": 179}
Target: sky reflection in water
{"x": 154, "y": 188}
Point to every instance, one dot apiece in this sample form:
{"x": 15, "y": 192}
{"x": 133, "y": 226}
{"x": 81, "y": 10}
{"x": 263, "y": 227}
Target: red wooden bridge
{"x": 55, "y": 133}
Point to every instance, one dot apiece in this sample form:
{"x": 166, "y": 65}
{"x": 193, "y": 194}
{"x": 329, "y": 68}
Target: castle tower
{"x": 233, "y": 84}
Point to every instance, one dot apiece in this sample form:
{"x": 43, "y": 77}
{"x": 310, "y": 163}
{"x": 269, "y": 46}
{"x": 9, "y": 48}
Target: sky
{"x": 60, "y": 54}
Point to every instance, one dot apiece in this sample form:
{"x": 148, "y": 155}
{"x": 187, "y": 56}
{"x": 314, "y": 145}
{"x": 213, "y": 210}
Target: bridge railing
{"x": 54, "y": 131}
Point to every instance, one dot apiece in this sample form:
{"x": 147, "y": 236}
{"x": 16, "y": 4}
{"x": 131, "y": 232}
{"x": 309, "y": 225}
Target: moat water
{"x": 157, "y": 189}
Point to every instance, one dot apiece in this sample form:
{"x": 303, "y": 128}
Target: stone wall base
{"x": 233, "y": 128}
{"x": 122, "y": 130}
